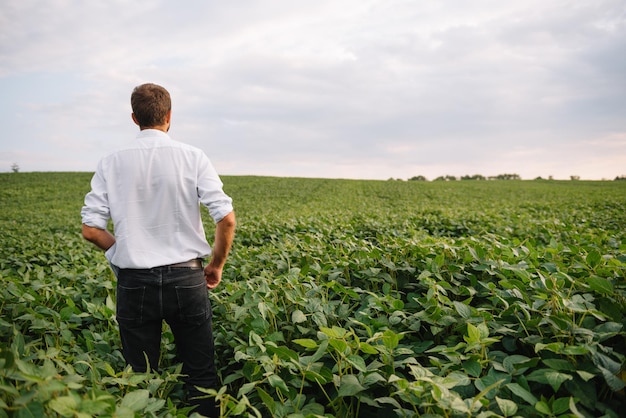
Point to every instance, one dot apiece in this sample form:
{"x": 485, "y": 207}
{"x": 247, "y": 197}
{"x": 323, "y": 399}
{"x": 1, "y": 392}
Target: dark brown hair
{"x": 150, "y": 103}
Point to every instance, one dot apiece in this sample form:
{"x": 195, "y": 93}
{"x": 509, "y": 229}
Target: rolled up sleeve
{"x": 96, "y": 212}
{"x": 210, "y": 192}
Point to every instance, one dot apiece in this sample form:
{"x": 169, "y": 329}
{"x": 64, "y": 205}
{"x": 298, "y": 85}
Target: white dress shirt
{"x": 152, "y": 191}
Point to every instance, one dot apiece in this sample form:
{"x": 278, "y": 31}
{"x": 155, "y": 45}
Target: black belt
{"x": 196, "y": 262}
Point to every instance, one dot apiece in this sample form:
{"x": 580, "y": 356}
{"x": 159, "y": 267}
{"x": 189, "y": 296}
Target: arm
{"x": 95, "y": 213}
{"x": 224, "y": 234}
{"x": 102, "y": 238}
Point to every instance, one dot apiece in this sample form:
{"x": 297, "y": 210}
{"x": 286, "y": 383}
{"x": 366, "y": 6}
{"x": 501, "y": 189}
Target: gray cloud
{"x": 352, "y": 89}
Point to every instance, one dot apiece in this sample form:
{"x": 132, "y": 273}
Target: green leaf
{"x": 507, "y": 407}
{"x": 319, "y": 353}
{"x": 94, "y": 408}
{"x": 64, "y": 405}
{"x": 298, "y": 317}
{"x": 32, "y": 410}
{"x": 473, "y": 334}
{"x": 283, "y": 353}
{"x": 389, "y": 401}
{"x": 472, "y": 367}
{"x": 312, "y": 376}
{"x": 110, "y": 303}
{"x": 391, "y": 339}
{"x": 463, "y": 310}
{"x": 543, "y": 407}
{"x": 255, "y": 339}
{"x": 549, "y": 376}
{"x": 560, "y": 405}
{"x": 559, "y": 364}
{"x": 268, "y": 401}
{"x": 109, "y": 369}
{"x": 334, "y": 332}
{"x": 7, "y": 358}
{"x": 615, "y": 383}
{"x": 586, "y": 376}
{"x": 397, "y": 304}
{"x": 574, "y": 409}
{"x": 339, "y": 345}
{"x": 263, "y": 309}
{"x": 277, "y": 382}
{"x": 600, "y": 285}
{"x": 575, "y": 350}
{"x": 606, "y": 362}
{"x": 306, "y": 342}
{"x": 245, "y": 388}
{"x": 136, "y": 400}
{"x": 367, "y": 348}
{"x": 554, "y": 347}
{"x": 241, "y": 406}
{"x": 349, "y": 386}
{"x": 489, "y": 383}
{"x": 515, "y": 364}
{"x": 593, "y": 258}
{"x": 455, "y": 379}
{"x": 311, "y": 409}
{"x": 518, "y": 390}
{"x": 124, "y": 412}
{"x": 9, "y": 390}
{"x": 357, "y": 362}
{"x": 29, "y": 370}
{"x": 67, "y": 312}
{"x": 373, "y": 378}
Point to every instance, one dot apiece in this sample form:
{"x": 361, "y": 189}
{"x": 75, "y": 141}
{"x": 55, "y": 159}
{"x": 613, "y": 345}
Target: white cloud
{"x": 372, "y": 89}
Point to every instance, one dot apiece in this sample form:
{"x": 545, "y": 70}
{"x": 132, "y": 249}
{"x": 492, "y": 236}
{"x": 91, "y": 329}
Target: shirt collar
{"x": 146, "y": 133}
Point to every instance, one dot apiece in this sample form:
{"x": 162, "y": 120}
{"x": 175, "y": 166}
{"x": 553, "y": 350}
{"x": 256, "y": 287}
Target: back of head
{"x": 151, "y": 103}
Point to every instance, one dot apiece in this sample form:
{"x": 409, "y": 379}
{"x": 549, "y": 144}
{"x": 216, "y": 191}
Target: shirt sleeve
{"x": 96, "y": 212}
{"x": 210, "y": 192}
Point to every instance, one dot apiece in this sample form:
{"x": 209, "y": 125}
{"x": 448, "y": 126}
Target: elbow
{"x": 89, "y": 233}
{"x": 229, "y": 221}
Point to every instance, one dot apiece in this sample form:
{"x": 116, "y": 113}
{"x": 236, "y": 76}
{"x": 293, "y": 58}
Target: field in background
{"x": 341, "y": 298}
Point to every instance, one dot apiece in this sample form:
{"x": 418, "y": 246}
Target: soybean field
{"x": 341, "y": 298}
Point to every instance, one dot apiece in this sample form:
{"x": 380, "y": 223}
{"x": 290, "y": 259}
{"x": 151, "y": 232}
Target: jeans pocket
{"x": 130, "y": 303}
{"x": 193, "y": 302}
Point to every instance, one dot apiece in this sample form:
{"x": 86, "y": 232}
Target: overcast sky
{"x": 370, "y": 89}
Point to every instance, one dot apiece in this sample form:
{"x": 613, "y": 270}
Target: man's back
{"x": 153, "y": 188}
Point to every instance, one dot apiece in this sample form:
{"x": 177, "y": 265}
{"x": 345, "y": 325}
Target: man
{"x": 152, "y": 190}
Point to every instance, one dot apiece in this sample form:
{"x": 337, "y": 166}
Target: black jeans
{"x": 178, "y": 295}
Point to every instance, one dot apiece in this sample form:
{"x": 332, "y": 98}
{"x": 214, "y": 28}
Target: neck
{"x": 163, "y": 128}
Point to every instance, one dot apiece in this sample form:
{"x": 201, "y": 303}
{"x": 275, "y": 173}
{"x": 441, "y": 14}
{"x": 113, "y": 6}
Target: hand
{"x": 212, "y": 275}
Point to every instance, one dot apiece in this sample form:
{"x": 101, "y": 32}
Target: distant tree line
{"x": 498, "y": 177}
{"x": 468, "y": 177}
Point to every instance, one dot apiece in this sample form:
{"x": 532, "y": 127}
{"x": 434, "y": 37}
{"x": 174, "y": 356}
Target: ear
{"x": 134, "y": 119}
{"x": 168, "y": 118}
